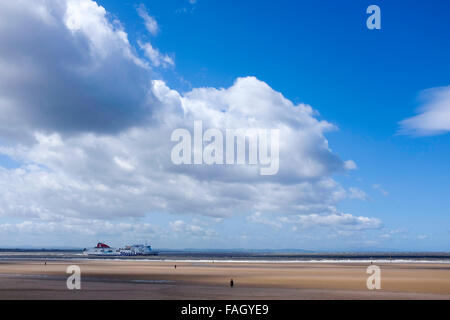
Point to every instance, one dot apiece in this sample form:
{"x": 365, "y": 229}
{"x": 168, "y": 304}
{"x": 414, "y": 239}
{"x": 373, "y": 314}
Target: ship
{"x": 103, "y": 249}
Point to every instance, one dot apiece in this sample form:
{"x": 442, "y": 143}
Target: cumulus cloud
{"x": 66, "y": 67}
{"x": 98, "y": 127}
{"x": 434, "y": 114}
{"x": 131, "y": 174}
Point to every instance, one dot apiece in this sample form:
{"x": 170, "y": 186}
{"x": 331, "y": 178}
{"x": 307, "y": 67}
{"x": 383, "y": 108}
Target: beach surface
{"x": 140, "y": 279}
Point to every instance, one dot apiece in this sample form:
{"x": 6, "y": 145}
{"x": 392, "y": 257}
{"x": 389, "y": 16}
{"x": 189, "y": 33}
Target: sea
{"x": 234, "y": 256}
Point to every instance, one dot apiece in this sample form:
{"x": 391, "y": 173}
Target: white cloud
{"x": 150, "y": 23}
{"x": 390, "y": 233}
{"x": 124, "y": 164}
{"x": 434, "y": 115}
{"x": 183, "y": 229}
{"x": 355, "y": 193}
{"x": 342, "y": 221}
{"x": 130, "y": 174}
{"x": 350, "y": 165}
{"x": 257, "y": 217}
{"x": 78, "y": 70}
{"x": 98, "y": 130}
{"x": 156, "y": 58}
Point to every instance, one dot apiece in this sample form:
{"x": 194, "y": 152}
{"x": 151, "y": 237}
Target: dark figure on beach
{"x": 231, "y": 283}
{"x": 45, "y": 263}
{"x": 175, "y": 266}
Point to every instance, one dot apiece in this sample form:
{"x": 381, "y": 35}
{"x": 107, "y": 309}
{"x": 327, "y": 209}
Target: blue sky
{"x": 365, "y": 82}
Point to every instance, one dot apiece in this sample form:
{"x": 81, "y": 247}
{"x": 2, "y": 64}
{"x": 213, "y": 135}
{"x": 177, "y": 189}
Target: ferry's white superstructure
{"x": 103, "y": 249}
{"x": 137, "y": 250}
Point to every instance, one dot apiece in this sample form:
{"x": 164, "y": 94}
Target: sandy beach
{"x": 111, "y": 279}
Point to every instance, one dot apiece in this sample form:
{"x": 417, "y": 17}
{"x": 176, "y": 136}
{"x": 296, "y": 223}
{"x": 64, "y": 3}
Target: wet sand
{"x": 106, "y": 279}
